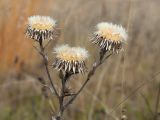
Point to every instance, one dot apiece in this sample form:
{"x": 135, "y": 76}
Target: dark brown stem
{"x": 64, "y": 78}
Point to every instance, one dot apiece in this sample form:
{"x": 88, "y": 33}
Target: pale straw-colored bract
{"x": 109, "y": 36}
{"x": 70, "y": 59}
{"x": 40, "y": 27}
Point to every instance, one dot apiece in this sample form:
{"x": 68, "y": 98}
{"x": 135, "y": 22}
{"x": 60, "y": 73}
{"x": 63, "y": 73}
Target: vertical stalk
{"x": 90, "y": 74}
{"x": 64, "y": 77}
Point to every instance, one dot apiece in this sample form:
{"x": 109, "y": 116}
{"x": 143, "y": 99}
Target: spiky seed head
{"x": 70, "y": 59}
{"x": 40, "y": 28}
{"x": 109, "y": 36}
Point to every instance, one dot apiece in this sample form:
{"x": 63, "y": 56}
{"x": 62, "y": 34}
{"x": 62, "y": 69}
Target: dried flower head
{"x": 40, "y": 28}
{"x": 109, "y": 36}
{"x": 70, "y": 59}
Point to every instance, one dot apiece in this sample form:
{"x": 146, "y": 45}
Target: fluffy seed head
{"x": 109, "y": 36}
{"x": 40, "y": 27}
{"x": 70, "y": 59}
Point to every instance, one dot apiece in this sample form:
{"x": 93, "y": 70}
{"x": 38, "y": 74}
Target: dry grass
{"x": 77, "y": 19}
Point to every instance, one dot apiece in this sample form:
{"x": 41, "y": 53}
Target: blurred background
{"x": 22, "y": 96}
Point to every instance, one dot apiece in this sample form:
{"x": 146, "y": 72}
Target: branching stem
{"x": 90, "y": 74}
{"x": 64, "y": 78}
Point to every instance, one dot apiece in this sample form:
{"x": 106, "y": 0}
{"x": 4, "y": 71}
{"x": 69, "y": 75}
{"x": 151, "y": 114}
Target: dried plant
{"x": 72, "y": 60}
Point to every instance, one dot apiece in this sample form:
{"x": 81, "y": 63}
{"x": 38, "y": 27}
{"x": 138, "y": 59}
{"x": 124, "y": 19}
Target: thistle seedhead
{"x": 109, "y": 36}
{"x": 40, "y": 28}
{"x": 70, "y": 59}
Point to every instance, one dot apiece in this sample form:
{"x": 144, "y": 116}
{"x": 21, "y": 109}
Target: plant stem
{"x": 90, "y": 74}
{"x": 46, "y": 67}
{"x": 64, "y": 77}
